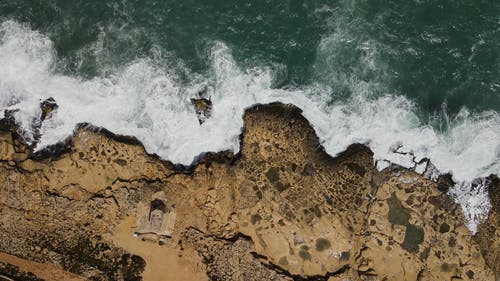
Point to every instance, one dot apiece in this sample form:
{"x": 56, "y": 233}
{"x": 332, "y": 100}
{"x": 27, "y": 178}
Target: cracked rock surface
{"x": 282, "y": 209}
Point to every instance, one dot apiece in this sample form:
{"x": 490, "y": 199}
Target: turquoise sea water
{"x": 433, "y": 52}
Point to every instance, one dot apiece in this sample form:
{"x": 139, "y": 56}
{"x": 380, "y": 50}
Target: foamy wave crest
{"x": 148, "y": 102}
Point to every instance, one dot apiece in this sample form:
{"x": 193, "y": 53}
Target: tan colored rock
{"x": 203, "y": 108}
{"x": 97, "y": 162}
{"x": 283, "y": 208}
{"x": 418, "y": 233}
{"x": 6, "y": 146}
{"x": 488, "y": 236}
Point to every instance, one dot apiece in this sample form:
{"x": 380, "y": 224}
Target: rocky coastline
{"x": 280, "y": 209}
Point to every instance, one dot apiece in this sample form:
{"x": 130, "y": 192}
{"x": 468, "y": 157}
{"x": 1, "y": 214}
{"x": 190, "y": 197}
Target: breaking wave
{"x": 151, "y": 103}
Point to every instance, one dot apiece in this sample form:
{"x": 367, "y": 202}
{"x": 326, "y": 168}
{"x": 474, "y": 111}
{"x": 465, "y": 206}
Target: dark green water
{"x": 433, "y": 52}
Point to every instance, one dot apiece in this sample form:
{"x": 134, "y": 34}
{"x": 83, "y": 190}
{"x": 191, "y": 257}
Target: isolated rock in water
{"x": 47, "y": 107}
{"x": 202, "y": 105}
{"x": 203, "y": 109}
{"x": 283, "y": 209}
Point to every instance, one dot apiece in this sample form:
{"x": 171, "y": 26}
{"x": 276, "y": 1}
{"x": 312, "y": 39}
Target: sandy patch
{"x": 44, "y": 271}
{"x": 163, "y": 263}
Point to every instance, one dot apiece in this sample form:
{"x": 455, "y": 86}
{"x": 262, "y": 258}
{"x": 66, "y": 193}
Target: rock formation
{"x": 281, "y": 209}
{"x": 202, "y": 105}
{"x": 488, "y": 236}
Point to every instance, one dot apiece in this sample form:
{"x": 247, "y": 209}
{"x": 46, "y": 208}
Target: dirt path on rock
{"x": 41, "y": 270}
{"x": 163, "y": 263}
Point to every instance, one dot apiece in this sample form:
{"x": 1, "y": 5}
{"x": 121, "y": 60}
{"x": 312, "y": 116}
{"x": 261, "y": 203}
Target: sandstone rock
{"x": 6, "y": 146}
{"x": 282, "y": 209}
{"x": 488, "y": 236}
{"x": 418, "y": 233}
{"x": 230, "y": 260}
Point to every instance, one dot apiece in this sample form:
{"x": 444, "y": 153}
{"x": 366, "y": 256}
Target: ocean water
{"x": 413, "y": 80}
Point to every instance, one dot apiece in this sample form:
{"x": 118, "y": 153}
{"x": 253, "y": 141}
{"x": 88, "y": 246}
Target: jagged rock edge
{"x": 61, "y": 148}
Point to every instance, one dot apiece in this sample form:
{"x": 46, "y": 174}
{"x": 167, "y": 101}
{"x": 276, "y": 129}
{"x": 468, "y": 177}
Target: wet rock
{"x": 445, "y": 182}
{"x": 47, "y": 107}
{"x": 202, "y": 105}
{"x": 203, "y": 108}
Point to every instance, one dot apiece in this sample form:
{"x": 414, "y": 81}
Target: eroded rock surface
{"x": 281, "y": 210}
{"x": 489, "y": 234}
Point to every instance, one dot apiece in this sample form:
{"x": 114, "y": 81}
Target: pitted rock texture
{"x": 230, "y": 259}
{"x": 488, "y": 236}
{"x": 282, "y": 209}
{"x": 422, "y": 232}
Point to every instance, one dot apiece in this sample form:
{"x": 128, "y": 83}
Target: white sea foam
{"x": 147, "y": 102}
{"x": 473, "y": 198}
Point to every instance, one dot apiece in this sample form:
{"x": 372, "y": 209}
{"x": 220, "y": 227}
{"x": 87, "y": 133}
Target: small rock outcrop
{"x": 202, "y": 105}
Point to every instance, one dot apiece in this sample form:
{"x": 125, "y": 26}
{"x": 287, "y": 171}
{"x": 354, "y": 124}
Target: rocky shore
{"x": 281, "y": 209}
